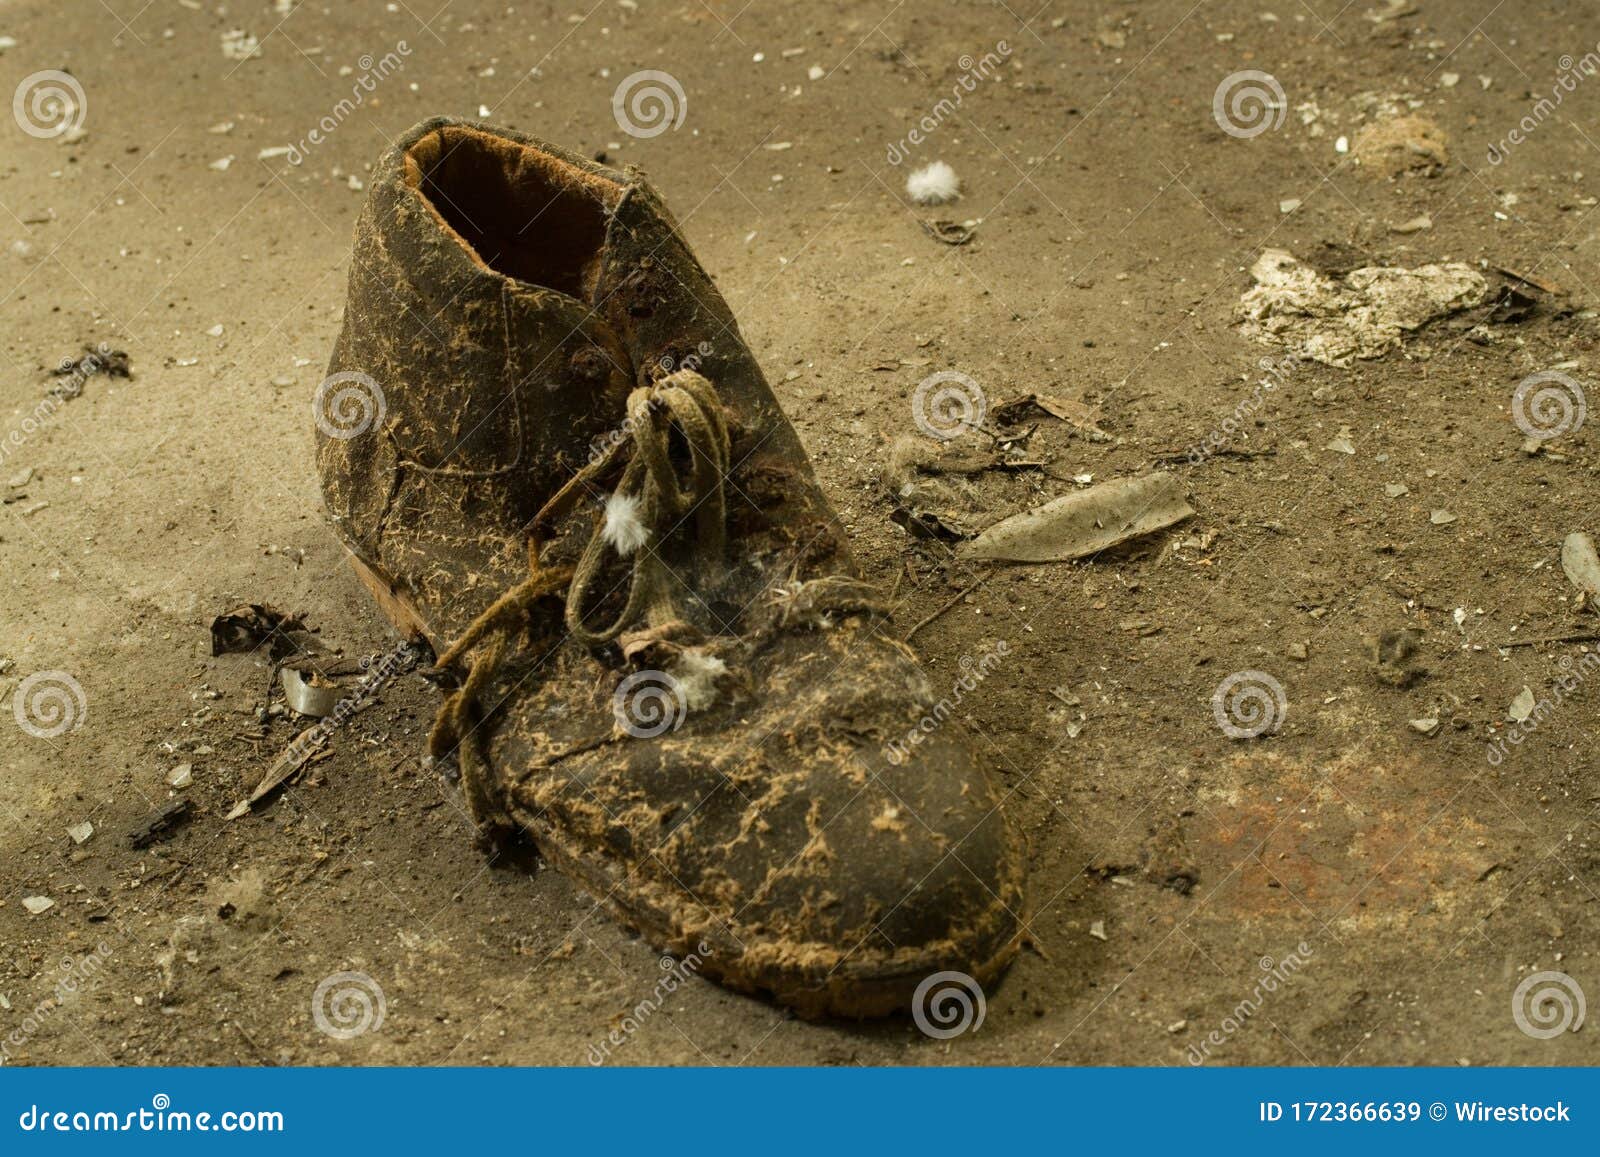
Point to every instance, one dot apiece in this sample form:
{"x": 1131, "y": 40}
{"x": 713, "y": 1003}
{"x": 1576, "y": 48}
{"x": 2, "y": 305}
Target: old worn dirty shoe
{"x": 552, "y": 455}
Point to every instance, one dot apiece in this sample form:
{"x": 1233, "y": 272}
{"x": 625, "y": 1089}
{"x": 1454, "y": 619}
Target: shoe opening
{"x": 519, "y": 210}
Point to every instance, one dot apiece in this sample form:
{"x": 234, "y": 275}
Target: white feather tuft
{"x": 697, "y": 673}
{"x": 624, "y": 530}
{"x": 934, "y": 184}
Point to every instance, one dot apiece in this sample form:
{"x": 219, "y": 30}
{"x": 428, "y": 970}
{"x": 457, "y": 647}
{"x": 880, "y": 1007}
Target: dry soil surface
{"x": 1344, "y": 888}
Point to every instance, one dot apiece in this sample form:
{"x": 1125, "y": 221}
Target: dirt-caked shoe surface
{"x": 552, "y": 455}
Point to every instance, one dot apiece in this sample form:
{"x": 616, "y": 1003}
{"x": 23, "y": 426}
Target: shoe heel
{"x": 398, "y": 609}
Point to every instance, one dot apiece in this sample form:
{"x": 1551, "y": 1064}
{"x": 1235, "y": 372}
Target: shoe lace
{"x": 683, "y": 401}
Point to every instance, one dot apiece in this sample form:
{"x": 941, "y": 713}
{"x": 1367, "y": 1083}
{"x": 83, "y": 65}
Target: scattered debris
{"x": 309, "y": 693}
{"x": 1087, "y": 522}
{"x": 950, "y": 232}
{"x": 952, "y": 601}
{"x": 1080, "y": 416}
{"x": 302, "y": 750}
{"x": 1521, "y": 709}
{"x": 161, "y": 826}
{"x": 248, "y": 625}
{"x": 1582, "y": 567}
{"x": 925, "y": 524}
{"x": 1390, "y": 10}
{"x": 74, "y": 372}
{"x": 80, "y": 832}
{"x": 1402, "y": 144}
{"x": 37, "y": 904}
{"x": 1342, "y": 444}
{"x": 1393, "y": 651}
{"x": 237, "y": 44}
{"x": 933, "y": 184}
{"x": 308, "y": 746}
{"x": 1363, "y": 314}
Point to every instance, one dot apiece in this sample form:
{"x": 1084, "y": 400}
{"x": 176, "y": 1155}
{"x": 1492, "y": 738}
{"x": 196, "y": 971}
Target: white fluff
{"x": 934, "y": 184}
{"x": 624, "y": 529}
{"x": 697, "y": 673}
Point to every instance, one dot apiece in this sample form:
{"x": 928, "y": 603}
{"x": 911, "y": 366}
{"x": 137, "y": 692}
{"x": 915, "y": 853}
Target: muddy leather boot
{"x": 552, "y": 456}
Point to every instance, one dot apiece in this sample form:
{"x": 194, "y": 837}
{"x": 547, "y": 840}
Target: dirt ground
{"x": 1345, "y": 889}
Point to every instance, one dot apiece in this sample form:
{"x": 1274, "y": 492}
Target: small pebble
{"x": 37, "y": 904}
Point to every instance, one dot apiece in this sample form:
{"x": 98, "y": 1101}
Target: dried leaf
{"x": 1582, "y": 565}
{"x": 1086, "y": 522}
{"x": 246, "y": 626}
